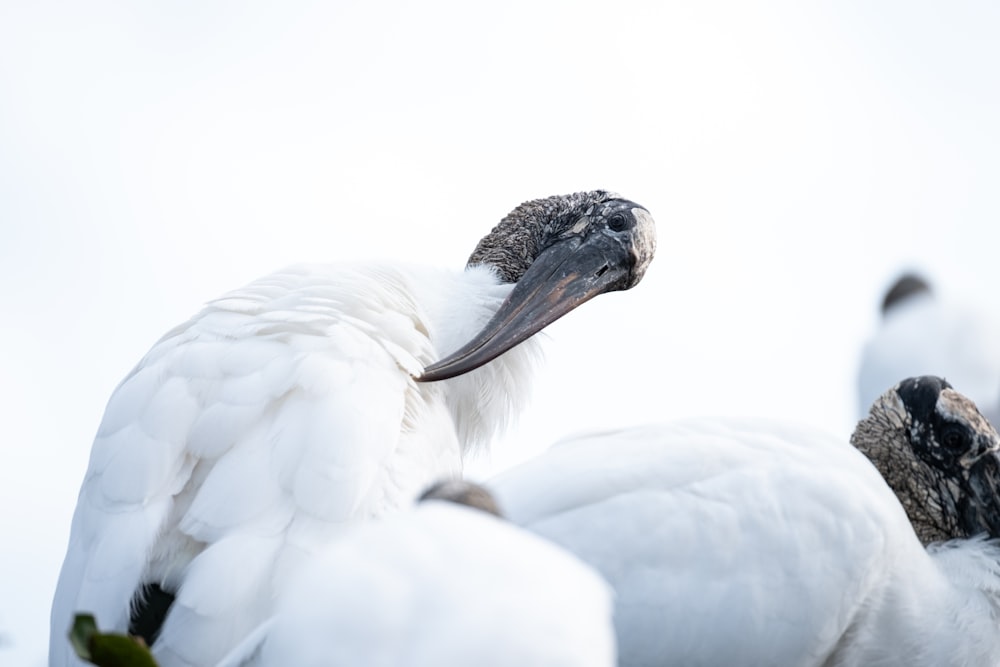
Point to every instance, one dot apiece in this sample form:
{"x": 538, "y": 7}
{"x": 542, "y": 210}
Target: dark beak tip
{"x": 426, "y": 376}
{"x": 445, "y": 369}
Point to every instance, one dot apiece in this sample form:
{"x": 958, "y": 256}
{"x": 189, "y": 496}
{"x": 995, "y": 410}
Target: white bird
{"x": 249, "y": 436}
{"x": 438, "y": 585}
{"x": 743, "y": 542}
{"x": 923, "y": 333}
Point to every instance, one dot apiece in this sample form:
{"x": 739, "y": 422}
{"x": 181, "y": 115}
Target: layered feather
{"x": 249, "y": 436}
{"x": 441, "y": 585}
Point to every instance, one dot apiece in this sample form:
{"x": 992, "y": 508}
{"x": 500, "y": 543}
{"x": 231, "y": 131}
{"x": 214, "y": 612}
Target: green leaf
{"x": 107, "y": 650}
{"x": 84, "y": 627}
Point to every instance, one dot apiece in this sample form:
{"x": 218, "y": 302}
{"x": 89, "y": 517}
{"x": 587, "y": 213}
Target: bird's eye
{"x": 618, "y": 222}
{"x": 954, "y": 438}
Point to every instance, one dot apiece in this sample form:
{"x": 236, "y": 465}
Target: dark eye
{"x": 954, "y": 438}
{"x": 618, "y": 222}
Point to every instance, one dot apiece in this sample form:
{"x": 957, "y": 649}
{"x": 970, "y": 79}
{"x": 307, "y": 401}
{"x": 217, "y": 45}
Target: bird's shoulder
{"x": 725, "y": 516}
{"x": 729, "y": 455}
{"x": 292, "y": 354}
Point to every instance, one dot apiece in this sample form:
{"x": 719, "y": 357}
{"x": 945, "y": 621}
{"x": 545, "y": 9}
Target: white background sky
{"x": 795, "y": 156}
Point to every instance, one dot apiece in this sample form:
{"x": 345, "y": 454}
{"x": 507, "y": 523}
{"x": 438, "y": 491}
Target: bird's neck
{"x": 944, "y": 609}
{"x": 483, "y": 402}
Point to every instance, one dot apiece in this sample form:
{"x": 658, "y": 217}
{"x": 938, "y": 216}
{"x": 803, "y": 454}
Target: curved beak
{"x": 565, "y": 275}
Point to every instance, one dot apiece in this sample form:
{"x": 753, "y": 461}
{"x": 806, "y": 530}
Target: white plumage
{"x": 260, "y": 427}
{"x": 248, "y": 437}
{"x": 749, "y": 542}
{"x": 923, "y": 333}
{"x": 440, "y": 585}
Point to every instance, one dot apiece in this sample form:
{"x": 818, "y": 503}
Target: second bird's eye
{"x": 618, "y": 222}
{"x": 953, "y": 437}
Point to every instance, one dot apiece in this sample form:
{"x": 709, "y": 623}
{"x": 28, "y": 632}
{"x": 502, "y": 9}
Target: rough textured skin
{"x": 512, "y": 244}
{"x": 936, "y": 451}
{"x": 525, "y": 231}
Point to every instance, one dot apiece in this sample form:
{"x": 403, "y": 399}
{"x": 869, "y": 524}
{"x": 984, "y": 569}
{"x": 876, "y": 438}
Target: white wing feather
{"x": 244, "y": 440}
{"x": 441, "y": 585}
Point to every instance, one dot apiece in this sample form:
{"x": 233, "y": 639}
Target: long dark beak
{"x": 565, "y": 275}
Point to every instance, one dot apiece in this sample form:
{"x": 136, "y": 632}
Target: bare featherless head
{"x": 939, "y": 455}
{"x": 559, "y": 252}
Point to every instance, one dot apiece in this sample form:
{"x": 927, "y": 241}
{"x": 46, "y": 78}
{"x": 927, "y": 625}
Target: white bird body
{"x": 926, "y": 334}
{"x": 262, "y": 425}
{"x": 250, "y": 436}
{"x": 752, "y": 542}
{"x": 440, "y": 585}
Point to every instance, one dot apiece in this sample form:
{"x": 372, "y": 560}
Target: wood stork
{"x": 747, "y": 542}
{"x": 925, "y": 333}
{"x": 438, "y": 585}
{"x": 247, "y": 437}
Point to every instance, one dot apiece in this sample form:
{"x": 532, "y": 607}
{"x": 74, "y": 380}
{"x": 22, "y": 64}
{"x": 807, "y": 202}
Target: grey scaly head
{"x": 560, "y": 252}
{"x": 939, "y": 455}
